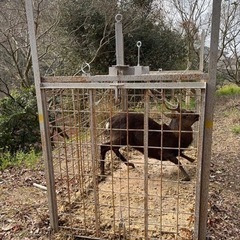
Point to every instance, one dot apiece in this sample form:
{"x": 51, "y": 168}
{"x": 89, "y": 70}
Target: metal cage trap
{"x": 149, "y": 201}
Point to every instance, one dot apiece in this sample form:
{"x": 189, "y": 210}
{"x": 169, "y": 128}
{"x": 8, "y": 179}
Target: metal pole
{"x": 145, "y": 133}
{"x": 208, "y": 125}
{"x": 199, "y": 143}
{"x": 201, "y": 60}
{"x": 119, "y": 41}
{"x": 43, "y": 115}
{"x": 94, "y": 160}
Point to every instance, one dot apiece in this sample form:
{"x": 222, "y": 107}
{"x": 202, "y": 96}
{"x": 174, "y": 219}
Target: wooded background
{"x": 70, "y": 33}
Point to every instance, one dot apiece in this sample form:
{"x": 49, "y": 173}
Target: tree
{"x": 229, "y": 55}
{"x": 192, "y": 16}
{"x": 15, "y": 61}
{"x": 19, "y": 127}
{"x": 91, "y": 24}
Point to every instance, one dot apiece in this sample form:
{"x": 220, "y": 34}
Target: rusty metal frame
{"x": 183, "y": 79}
{"x": 43, "y": 120}
{"x": 203, "y": 185}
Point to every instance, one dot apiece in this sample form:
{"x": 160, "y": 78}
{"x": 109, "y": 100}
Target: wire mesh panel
{"x": 139, "y": 133}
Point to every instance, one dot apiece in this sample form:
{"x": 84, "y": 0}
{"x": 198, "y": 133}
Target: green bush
{"x": 28, "y": 159}
{"x": 230, "y": 89}
{"x": 162, "y": 46}
{"x": 19, "y": 127}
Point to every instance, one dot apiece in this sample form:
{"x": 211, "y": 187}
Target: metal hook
{"x": 84, "y": 66}
{"x": 139, "y": 44}
{"x": 118, "y": 17}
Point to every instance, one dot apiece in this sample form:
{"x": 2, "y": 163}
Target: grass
{"x": 236, "y": 129}
{"x": 232, "y": 112}
{"x": 228, "y": 90}
{"x": 29, "y": 159}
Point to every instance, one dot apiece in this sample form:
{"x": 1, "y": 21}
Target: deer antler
{"x": 166, "y": 103}
{"x": 172, "y": 107}
{"x": 157, "y": 99}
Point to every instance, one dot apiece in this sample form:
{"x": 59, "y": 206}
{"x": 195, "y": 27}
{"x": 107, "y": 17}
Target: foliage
{"x": 19, "y": 127}
{"x": 15, "y": 55}
{"x": 91, "y": 24}
{"x": 221, "y": 79}
{"x": 229, "y": 54}
{"x": 191, "y": 15}
{"x": 156, "y": 51}
{"x": 230, "y": 89}
{"x": 28, "y": 159}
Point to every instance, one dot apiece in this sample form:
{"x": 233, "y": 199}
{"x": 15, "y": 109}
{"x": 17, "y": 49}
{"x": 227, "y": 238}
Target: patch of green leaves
{"x": 20, "y": 158}
{"x": 229, "y": 90}
{"x": 19, "y": 127}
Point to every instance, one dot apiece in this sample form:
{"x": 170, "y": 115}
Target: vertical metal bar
{"x": 119, "y": 40}
{"x": 78, "y": 132}
{"x": 199, "y": 164}
{"x": 208, "y": 125}
{"x": 161, "y": 166}
{"x": 94, "y": 159}
{"x": 201, "y": 60}
{"x": 124, "y": 99}
{"x": 139, "y": 44}
{"x": 111, "y": 110}
{"x": 145, "y": 133}
{"x": 43, "y": 121}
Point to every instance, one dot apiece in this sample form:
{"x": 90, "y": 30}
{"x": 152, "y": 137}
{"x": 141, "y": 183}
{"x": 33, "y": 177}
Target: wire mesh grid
{"x": 149, "y": 201}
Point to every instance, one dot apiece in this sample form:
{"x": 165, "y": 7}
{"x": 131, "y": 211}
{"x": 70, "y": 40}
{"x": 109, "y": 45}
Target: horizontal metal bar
{"x": 158, "y": 76}
{"x": 149, "y": 85}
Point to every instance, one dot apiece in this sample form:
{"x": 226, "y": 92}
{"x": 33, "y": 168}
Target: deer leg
{"x": 122, "y": 158}
{"x": 62, "y": 133}
{"x": 173, "y": 159}
{"x": 186, "y": 157}
{"x": 104, "y": 148}
{"x": 186, "y": 178}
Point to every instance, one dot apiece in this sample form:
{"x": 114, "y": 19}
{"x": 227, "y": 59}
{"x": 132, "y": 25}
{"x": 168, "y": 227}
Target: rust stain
{"x": 209, "y": 124}
{"x": 40, "y": 117}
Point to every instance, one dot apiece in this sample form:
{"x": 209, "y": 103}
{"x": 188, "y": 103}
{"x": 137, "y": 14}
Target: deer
{"x": 181, "y": 124}
{"x": 164, "y": 141}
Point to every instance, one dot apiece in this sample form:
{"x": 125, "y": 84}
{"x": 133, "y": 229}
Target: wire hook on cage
{"x": 139, "y": 44}
{"x": 85, "y": 68}
{"x": 118, "y": 18}
{"x": 117, "y": 89}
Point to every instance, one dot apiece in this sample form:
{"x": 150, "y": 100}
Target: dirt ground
{"x": 23, "y": 207}
{"x": 121, "y": 202}
{"x": 224, "y": 194}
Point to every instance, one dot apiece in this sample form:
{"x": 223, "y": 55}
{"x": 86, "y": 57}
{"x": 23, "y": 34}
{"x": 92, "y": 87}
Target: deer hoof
{"x": 131, "y": 164}
{"x": 101, "y": 178}
{"x": 187, "y": 178}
